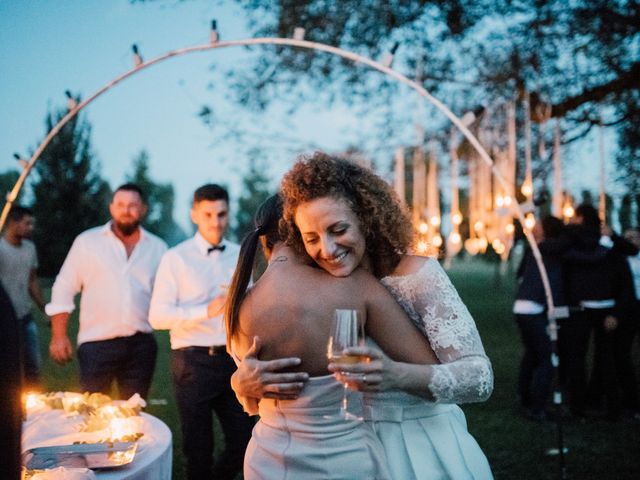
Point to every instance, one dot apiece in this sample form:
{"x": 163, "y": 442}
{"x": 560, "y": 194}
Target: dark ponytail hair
{"x": 266, "y": 221}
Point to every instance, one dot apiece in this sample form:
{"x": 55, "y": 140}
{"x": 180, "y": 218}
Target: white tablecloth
{"x": 153, "y": 457}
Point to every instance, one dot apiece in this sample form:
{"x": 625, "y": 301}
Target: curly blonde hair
{"x": 384, "y": 221}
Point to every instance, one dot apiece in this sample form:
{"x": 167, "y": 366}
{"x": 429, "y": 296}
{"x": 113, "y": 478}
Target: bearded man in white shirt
{"x": 114, "y": 267}
{"x": 188, "y": 299}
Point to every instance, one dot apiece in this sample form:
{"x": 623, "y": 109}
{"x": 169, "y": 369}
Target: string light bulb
{"x": 422, "y": 246}
{"x": 71, "y": 102}
{"x": 137, "y": 58}
{"x": 568, "y": 211}
{"x": 435, "y": 221}
{"x": 436, "y": 241}
{"x": 423, "y": 228}
{"x": 298, "y": 33}
{"x": 387, "y": 61}
{"x": 21, "y": 161}
{"x": 456, "y": 218}
{"x": 529, "y": 221}
{"x": 527, "y": 189}
{"x": 214, "y": 36}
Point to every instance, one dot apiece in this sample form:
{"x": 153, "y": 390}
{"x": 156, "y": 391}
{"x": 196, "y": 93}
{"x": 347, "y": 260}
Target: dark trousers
{"x": 536, "y": 371}
{"x": 603, "y": 390}
{"x": 31, "y": 357}
{"x": 573, "y": 343}
{"x": 128, "y": 360}
{"x": 202, "y": 385}
{"x": 624, "y": 337}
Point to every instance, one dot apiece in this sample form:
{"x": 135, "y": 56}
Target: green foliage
{"x": 255, "y": 190}
{"x": 160, "y": 199}
{"x": 574, "y": 58}
{"x": 7, "y": 180}
{"x": 69, "y": 195}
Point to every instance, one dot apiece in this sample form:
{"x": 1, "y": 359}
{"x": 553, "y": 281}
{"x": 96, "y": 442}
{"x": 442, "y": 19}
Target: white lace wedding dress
{"x": 430, "y": 440}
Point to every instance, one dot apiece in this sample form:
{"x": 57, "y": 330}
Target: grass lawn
{"x": 515, "y": 446}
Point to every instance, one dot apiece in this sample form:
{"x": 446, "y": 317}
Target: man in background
{"x": 114, "y": 267}
{"x": 188, "y": 299}
{"x": 18, "y": 273}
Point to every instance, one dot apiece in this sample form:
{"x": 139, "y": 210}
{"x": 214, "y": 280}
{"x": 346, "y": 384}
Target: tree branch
{"x": 625, "y": 81}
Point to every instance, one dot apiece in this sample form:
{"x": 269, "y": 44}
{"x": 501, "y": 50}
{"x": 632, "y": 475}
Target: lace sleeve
{"x": 465, "y": 374}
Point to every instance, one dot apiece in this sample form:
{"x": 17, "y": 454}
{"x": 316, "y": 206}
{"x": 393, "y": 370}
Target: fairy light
{"x": 137, "y": 58}
{"x": 482, "y": 244}
{"x": 214, "y": 36}
{"x": 423, "y": 228}
{"x": 435, "y": 221}
{"x": 437, "y": 241}
{"x": 422, "y": 246}
{"x": 529, "y": 221}
{"x": 568, "y": 211}
{"x": 509, "y": 228}
{"x": 456, "y": 218}
{"x": 455, "y": 238}
{"x": 499, "y": 201}
{"x": 527, "y": 189}
{"x": 507, "y": 201}
{"x": 471, "y": 246}
{"x": 478, "y": 226}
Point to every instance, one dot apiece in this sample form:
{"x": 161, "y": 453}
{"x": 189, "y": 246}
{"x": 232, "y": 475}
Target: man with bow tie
{"x": 188, "y": 300}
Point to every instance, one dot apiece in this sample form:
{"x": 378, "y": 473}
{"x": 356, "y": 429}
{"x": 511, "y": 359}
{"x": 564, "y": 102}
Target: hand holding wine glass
{"x": 347, "y": 331}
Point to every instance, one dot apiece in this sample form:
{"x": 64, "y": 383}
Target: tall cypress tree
{"x": 69, "y": 195}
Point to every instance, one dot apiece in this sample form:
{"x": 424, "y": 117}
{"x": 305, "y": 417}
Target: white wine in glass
{"x": 347, "y": 331}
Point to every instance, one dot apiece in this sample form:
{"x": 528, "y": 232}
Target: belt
{"x": 211, "y": 351}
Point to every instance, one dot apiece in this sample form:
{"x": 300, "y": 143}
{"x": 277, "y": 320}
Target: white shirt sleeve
{"x": 68, "y": 282}
{"x": 166, "y": 310}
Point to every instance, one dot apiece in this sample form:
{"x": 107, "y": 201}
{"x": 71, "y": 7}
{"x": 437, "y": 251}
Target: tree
{"x": 577, "y": 59}
{"x": 7, "y": 180}
{"x": 69, "y": 195}
{"x": 255, "y": 190}
{"x": 160, "y": 199}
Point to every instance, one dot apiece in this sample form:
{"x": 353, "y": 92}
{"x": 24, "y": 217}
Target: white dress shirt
{"x": 188, "y": 279}
{"x": 116, "y": 290}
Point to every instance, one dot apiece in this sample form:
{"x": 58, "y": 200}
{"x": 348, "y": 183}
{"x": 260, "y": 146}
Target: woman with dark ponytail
{"x": 290, "y": 307}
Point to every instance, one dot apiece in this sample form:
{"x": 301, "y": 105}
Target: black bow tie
{"x": 216, "y": 247}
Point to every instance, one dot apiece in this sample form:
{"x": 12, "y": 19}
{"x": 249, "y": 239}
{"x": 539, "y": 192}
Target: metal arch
{"x": 302, "y": 44}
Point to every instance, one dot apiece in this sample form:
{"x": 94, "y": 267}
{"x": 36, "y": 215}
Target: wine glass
{"x": 347, "y": 331}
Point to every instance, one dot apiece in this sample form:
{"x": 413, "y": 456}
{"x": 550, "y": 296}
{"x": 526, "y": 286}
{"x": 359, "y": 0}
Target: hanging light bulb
{"x": 298, "y": 33}
{"x": 527, "y": 188}
{"x": 499, "y": 201}
{"x": 507, "y": 201}
{"x": 482, "y": 244}
{"x": 21, "y": 161}
{"x": 456, "y": 218}
{"x": 71, "y": 102}
{"x": 436, "y": 241}
{"x": 214, "y": 36}
{"x": 471, "y": 246}
{"x": 435, "y": 221}
{"x": 509, "y": 228}
{"x": 478, "y": 226}
{"x": 568, "y": 211}
{"x": 137, "y": 58}
{"x": 387, "y": 61}
{"x": 423, "y": 228}
{"x": 529, "y": 221}
{"x": 455, "y": 238}
{"x": 498, "y": 246}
